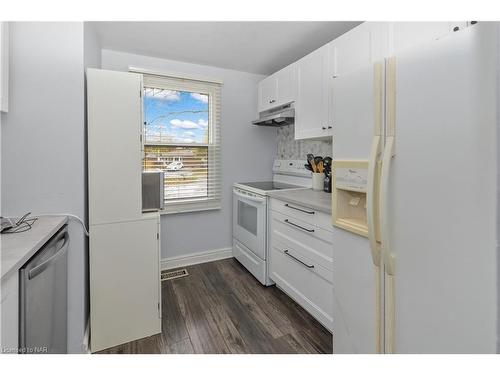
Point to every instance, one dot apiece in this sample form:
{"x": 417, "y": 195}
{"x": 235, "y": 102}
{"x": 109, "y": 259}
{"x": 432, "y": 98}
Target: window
{"x": 181, "y": 137}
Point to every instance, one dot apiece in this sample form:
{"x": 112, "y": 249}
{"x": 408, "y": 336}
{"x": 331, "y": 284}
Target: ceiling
{"x": 255, "y": 47}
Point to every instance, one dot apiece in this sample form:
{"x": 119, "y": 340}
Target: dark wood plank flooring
{"x": 221, "y": 308}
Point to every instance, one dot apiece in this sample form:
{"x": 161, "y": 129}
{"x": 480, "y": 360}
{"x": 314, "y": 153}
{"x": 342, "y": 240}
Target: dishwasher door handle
{"x": 35, "y": 271}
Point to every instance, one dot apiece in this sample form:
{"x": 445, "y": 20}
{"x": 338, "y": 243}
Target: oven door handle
{"x": 250, "y": 198}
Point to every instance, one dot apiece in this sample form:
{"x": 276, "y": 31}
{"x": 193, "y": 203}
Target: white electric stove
{"x": 250, "y": 214}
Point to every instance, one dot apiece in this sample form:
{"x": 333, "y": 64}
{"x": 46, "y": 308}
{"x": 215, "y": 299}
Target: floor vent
{"x": 170, "y": 275}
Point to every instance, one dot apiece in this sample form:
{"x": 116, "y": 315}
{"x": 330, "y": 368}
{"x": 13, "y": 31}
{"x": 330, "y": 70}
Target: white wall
{"x": 43, "y": 141}
{"x": 247, "y": 152}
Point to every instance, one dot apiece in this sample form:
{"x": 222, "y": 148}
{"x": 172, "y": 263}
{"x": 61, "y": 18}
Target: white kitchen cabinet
{"x": 301, "y": 257}
{"x": 358, "y": 47}
{"x": 277, "y": 89}
{"x": 312, "y": 110}
{"x": 286, "y": 82}
{"x": 267, "y": 93}
{"x": 4, "y": 66}
{"x": 9, "y": 310}
{"x": 124, "y": 281}
{"x": 309, "y": 83}
{"x": 114, "y": 146}
{"x": 125, "y": 292}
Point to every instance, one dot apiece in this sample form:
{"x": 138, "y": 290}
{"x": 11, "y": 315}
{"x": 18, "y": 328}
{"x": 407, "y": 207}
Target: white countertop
{"x": 316, "y": 200}
{"x": 18, "y": 248}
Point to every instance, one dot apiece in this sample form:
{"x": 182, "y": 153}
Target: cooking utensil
{"x": 313, "y": 166}
{"x": 327, "y": 163}
{"x": 308, "y": 167}
{"x": 317, "y": 159}
{"x": 310, "y": 158}
{"x": 320, "y": 166}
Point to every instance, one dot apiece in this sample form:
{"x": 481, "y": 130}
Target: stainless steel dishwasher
{"x": 43, "y": 298}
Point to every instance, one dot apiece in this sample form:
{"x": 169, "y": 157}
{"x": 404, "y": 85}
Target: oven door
{"x": 249, "y": 221}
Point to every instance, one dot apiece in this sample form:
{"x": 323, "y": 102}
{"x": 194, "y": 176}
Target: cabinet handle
{"x": 323, "y": 127}
{"x": 298, "y": 226}
{"x": 298, "y": 260}
{"x": 272, "y": 101}
{"x": 329, "y": 127}
{"x": 299, "y": 209}
{"x": 456, "y": 28}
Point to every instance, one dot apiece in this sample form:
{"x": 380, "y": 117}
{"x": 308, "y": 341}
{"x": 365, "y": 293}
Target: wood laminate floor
{"x": 221, "y": 308}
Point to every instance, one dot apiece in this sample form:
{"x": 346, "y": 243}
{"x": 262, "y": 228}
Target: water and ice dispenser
{"x": 349, "y": 187}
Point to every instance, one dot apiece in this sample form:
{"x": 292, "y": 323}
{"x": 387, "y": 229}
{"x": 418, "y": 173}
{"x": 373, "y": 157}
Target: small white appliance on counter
{"x": 250, "y": 214}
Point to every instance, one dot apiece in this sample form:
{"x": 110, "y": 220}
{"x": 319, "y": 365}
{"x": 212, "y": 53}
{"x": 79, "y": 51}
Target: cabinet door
{"x": 311, "y": 115}
{"x": 352, "y": 51}
{"x": 286, "y": 84}
{"x": 9, "y": 306}
{"x": 267, "y": 93}
{"x": 359, "y": 47}
{"x": 124, "y": 282}
{"x": 114, "y": 145}
{"x": 405, "y": 35}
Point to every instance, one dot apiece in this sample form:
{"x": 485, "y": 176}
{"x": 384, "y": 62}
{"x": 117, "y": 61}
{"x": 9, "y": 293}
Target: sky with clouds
{"x": 175, "y": 116}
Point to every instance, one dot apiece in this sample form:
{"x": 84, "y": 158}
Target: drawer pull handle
{"x": 298, "y": 226}
{"x": 299, "y": 209}
{"x": 298, "y": 260}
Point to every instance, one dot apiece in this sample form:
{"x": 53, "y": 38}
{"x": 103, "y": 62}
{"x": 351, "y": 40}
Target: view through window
{"x": 176, "y": 141}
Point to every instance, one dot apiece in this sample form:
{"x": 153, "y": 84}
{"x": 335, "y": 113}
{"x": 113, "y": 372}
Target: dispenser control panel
{"x": 354, "y": 179}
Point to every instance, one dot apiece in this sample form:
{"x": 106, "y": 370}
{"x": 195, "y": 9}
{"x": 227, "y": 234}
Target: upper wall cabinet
{"x": 312, "y": 112}
{"x": 359, "y": 47}
{"x": 278, "y": 89}
{"x": 4, "y": 66}
{"x": 314, "y": 73}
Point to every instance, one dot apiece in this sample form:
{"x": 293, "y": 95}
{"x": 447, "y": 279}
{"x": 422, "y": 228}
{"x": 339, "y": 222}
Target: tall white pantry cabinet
{"x": 124, "y": 261}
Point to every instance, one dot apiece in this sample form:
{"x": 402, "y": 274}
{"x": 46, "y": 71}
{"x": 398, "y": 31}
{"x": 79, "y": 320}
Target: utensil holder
{"x": 318, "y": 180}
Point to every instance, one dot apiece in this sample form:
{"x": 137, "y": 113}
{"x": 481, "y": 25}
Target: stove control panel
{"x": 291, "y": 167}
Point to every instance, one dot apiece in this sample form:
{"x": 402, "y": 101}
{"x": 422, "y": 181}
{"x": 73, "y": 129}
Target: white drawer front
{"x": 305, "y": 281}
{"x": 313, "y": 217}
{"x": 313, "y": 242}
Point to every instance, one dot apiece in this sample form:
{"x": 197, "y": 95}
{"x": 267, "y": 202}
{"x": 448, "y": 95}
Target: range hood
{"x": 279, "y": 116}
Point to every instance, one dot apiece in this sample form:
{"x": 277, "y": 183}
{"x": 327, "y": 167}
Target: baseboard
{"x": 196, "y": 258}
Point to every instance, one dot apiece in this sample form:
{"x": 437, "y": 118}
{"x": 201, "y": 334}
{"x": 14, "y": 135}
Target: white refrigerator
{"x": 422, "y": 276}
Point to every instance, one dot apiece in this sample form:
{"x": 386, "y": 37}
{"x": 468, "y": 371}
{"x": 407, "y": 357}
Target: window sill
{"x": 173, "y": 211}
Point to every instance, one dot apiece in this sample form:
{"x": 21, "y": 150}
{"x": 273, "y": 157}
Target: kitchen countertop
{"x": 316, "y": 200}
{"x": 18, "y": 248}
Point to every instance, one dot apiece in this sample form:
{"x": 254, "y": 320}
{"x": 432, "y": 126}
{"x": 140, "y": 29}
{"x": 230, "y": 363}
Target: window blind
{"x": 184, "y": 143}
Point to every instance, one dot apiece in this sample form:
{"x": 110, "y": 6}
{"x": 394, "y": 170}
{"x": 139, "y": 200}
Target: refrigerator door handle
{"x": 372, "y": 198}
{"x": 389, "y": 257}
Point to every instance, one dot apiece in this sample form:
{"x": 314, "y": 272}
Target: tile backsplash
{"x": 289, "y": 148}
